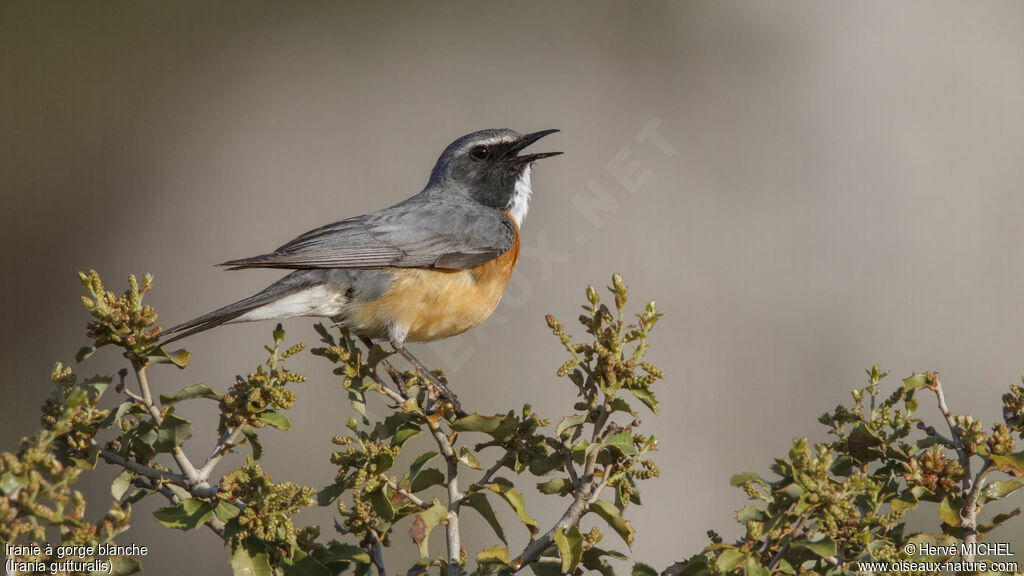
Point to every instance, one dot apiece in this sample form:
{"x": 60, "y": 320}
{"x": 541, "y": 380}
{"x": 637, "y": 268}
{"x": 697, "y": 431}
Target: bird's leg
{"x": 399, "y": 345}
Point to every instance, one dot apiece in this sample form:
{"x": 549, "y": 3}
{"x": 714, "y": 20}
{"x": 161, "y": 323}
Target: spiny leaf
{"x": 500, "y": 427}
{"x": 1010, "y": 463}
{"x": 494, "y": 555}
{"x": 179, "y": 358}
{"x": 560, "y": 486}
{"x": 173, "y": 432}
{"x": 999, "y": 490}
{"x": 251, "y": 559}
{"x": 570, "y": 548}
{"x": 570, "y": 423}
{"x": 426, "y": 478}
{"x": 275, "y": 419}
{"x": 823, "y": 547}
{"x": 254, "y": 440}
{"x": 503, "y": 488}
{"x": 622, "y": 442}
{"x": 478, "y": 501}
{"x": 194, "y": 391}
{"x": 610, "y": 514}
{"x": 121, "y": 484}
{"x": 425, "y": 522}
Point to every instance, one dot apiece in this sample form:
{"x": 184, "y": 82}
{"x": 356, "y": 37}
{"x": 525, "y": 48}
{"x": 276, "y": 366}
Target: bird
{"x": 429, "y": 267}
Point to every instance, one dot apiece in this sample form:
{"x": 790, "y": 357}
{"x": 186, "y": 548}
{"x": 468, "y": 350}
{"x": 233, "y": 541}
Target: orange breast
{"x": 436, "y": 304}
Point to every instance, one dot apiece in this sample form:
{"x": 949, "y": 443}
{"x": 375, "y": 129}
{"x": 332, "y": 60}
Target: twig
{"x": 192, "y": 479}
{"x": 786, "y": 539}
{"x": 408, "y": 495}
{"x": 570, "y": 469}
{"x": 147, "y": 471}
{"x": 229, "y": 438}
{"x": 585, "y": 495}
{"x": 965, "y": 458}
{"x": 214, "y": 523}
{"x": 969, "y": 511}
{"x": 931, "y": 431}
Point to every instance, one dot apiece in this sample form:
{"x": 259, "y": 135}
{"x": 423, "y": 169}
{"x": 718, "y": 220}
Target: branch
{"x": 969, "y": 512}
{"x": 585, "y": 495}
{"x": 147, "y": 471}
{"x": 408, "y": 495}
{"x": 192, "y": 478}
{"x": 965, "y": 458}
{"x": 229, "y": 438}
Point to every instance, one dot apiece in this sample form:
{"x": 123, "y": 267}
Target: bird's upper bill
{"x": 526, "y": 141}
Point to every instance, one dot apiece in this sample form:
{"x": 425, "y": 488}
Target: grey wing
{"x": 427, "y": 234}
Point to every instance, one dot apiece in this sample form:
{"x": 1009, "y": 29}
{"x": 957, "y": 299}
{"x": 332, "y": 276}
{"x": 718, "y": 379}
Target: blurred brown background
{"x": 834, "y": 184}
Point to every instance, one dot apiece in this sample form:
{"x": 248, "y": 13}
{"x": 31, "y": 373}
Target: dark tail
{"x": 229, "y": 312}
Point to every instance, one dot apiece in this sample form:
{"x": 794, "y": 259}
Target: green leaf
{"x": 478, "y": 501}
{"x": 251, "y": 559}
{"x": 382, "y": 504}
{"x": 425, "y": 522}
{"x": 302, "y": 564}
{"x": 641, "y": 569}
{"x": 570, "y": 548}
{"x": 1009, "y": 463}
{"x": 906, "y": 501}
{"x": 377, "y": 353}
{"x": 647, "y": 397}
{"x": 823, "y": 547}
{"x": 275, "y": 419}
{"x": 185, "y": 516}
{"x": 610, "y": 514}
{"x": 500, "y": 427}
{"x": 426, "y": 478}
{"x": 120, "y": 484}
{"x": 225, "y": 511}
{"x": 404, "y": 433}
{"x": 494, "y": 555}
{"x": 620, "y": 405}
{"x": 754, "y": 567}
{"x": 467, "y": 458}
{"x": 115, "y": 415}
{"x": 179, "y": 358}
{"x": 730, "y": 559}
{"x": 741, "y": 479}
{"x": 865, "y": 445}
{"x": 419, "y": 463}
{"x": 254, "y": 441}
{"x": 621, "y": 442}
{"x": 560, "y": 486}
{"x": 173, "y": 432}
{"x": 503, "y": 488}
{"x": 570, "y": 423}
{"x": 190, "y": 392}
{"x": 949, "y": 510}
{"x": 338, "y": 552}
{"x": 84, "y": 352}
{"x": 999, "y": 490}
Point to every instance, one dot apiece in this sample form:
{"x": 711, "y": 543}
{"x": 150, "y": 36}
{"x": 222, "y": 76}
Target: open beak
{"x": 530, "y": 139}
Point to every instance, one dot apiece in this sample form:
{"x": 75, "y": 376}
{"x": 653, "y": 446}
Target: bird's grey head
{"x": 487, "y": 166}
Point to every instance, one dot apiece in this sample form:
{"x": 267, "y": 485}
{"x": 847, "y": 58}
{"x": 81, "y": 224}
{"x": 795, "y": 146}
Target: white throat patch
{"x": 520, "y": 203}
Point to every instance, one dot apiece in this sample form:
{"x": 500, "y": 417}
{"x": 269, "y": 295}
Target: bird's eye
{"x": 478, "y": 152}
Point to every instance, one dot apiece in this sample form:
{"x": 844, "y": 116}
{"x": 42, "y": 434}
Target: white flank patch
{"x": 314, "y": 301}
{"x": 520, "y": 203}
